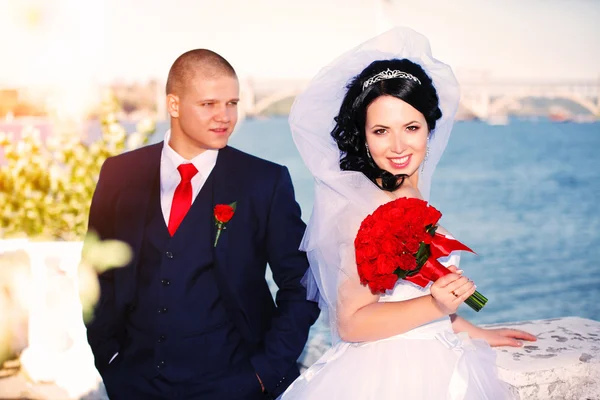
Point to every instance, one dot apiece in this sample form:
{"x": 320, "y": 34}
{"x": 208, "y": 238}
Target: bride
{"x": 371, "y": 127}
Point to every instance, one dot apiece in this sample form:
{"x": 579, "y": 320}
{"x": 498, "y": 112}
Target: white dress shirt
{"x": 170, "y": 178}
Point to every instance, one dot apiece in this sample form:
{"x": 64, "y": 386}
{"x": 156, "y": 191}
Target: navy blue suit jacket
{"x": 266, "y": 228}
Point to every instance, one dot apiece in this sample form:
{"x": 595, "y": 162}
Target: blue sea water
{"x": 524, "y": 196}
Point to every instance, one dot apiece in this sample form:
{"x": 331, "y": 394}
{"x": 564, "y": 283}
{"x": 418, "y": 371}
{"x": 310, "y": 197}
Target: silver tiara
{"x": 389, "y": 74}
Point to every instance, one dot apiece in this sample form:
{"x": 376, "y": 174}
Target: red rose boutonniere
{"x": 223, "y": 214}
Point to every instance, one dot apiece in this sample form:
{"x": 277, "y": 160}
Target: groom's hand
{"x": 260, "y": 381}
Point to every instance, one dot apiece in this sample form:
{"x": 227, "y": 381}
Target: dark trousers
{"x": 237, "y": 383}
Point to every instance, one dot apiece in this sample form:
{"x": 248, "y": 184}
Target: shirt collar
{"x": 170, "y": 160}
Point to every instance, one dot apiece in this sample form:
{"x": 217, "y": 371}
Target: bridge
{"x": 482, "y": 98}
{"x": 489, "y": 98}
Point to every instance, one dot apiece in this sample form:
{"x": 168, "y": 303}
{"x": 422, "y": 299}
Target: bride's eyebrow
{"x": 379, "y": 126}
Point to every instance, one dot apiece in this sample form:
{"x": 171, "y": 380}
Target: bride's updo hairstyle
{"x": 402, "y": 79}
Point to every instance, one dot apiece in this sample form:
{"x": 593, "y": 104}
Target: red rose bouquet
{"x": 399, "y": 240}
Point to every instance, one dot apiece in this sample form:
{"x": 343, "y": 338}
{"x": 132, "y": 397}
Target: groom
{"x": 192, "y": 316}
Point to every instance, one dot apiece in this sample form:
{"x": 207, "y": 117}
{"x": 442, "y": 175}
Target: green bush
{"x": 46, "y": 188}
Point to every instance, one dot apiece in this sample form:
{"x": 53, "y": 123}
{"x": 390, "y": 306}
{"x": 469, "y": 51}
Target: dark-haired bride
{"x": 371, "y": 127}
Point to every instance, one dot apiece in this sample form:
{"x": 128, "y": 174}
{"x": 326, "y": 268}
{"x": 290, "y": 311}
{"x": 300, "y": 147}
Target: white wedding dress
{"x": 430, "y": 362}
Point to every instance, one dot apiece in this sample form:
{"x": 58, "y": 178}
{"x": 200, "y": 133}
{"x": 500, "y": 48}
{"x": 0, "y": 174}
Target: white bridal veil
{"x": 344, "y": 198}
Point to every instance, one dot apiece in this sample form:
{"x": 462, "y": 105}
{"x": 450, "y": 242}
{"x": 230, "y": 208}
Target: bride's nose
{"x": 397, "y": 143}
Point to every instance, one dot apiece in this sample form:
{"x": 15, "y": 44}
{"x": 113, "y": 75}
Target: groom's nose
{"x": 222, "y": 114}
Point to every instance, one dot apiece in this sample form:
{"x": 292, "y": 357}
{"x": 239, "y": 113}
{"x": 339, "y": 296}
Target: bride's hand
{"x": 503, "y": 336}
{"x": 451, "y": 290}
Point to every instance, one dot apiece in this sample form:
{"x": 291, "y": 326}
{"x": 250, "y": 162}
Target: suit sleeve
{"x": 106, "y": 327}
{"x": 288, "y": 334}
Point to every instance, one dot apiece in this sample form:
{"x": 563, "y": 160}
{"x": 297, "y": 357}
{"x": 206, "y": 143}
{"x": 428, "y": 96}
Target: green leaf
{"x": 401, "y": 273}
{"x": 422, "y": 254}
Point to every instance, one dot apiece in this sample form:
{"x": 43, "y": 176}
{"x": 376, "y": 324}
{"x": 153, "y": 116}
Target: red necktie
{"x": 182, "y": 199}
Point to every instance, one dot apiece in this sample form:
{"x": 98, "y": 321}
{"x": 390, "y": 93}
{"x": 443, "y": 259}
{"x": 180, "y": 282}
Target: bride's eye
{"x": 412, "y": 128}
{"x": 379, "y": 131}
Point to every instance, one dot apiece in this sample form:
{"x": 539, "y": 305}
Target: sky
{"x": 67, "y": 41}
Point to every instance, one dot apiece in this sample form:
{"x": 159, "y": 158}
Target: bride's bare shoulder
{"x": 407, "y": 191}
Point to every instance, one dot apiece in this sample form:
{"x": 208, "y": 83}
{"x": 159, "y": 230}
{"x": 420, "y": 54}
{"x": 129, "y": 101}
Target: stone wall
{"x": 564, "y": 363}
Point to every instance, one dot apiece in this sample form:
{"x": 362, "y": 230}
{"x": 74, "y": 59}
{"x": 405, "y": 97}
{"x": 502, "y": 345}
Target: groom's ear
{"x": 173, "y": 105}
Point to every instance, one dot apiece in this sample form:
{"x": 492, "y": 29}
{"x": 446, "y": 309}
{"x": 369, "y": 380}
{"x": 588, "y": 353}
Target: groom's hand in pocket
{"x": 262, "y": 386}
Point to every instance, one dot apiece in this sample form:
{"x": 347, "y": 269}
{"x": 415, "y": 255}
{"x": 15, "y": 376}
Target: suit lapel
{"x": 225, "y": 191}
{"x": 132, "y": 204}
{"x": 155, "y": 229}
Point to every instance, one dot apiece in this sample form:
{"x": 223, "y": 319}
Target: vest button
{"x": 160, "y": 365}
{"x": 169, "y": 255}
{"x": 161, "y": 338}
{"x": 165, "y": 282}
{"x": 162, "y": 310}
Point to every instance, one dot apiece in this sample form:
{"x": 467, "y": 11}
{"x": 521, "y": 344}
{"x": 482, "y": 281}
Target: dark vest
{"x": 179, "y": 327}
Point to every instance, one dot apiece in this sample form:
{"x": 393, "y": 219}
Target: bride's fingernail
{"x": 474, "y": 286}
{"x": 459, "y": 271}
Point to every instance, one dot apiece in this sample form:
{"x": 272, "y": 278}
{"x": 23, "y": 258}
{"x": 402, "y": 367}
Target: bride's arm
{"x": 362, "y": 318}
{"x": 459, "y": 324}
{"x": 495, "y": 337}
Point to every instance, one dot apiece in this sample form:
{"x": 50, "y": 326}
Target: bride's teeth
{"x": 400, "y": 160}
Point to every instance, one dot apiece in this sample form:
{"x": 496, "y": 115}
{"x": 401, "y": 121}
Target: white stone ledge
{"x": 564, "y": 363}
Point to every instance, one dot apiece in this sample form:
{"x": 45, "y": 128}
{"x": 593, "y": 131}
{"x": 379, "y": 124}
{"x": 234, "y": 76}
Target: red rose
{"x": 365, "y": 253}
{"x": 395, "y": 215}
{"x": 367, "y": 272}
{"x": 371, "y": 252}
{"x": 380, "y": 229}
{"x": 414, "y": 218}
{"x": 412, "y": 245}
{"x": 224, "y": 213}
{"x": 401, "y": 229}
{"x": 364, "y": 235}
{"x": 407, "y": 262}
{"x": 432, "y": 216}
{"x": 386, "y": 264}
{"x": 389, "y": 245}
